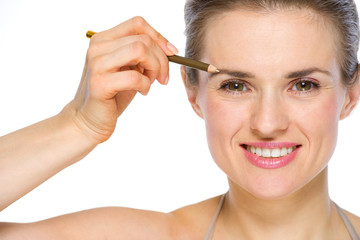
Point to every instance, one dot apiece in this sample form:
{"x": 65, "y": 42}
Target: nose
{"x": 269, "y": 118}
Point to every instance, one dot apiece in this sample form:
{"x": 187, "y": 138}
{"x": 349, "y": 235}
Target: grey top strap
{"x": 346, "y": 220}
{"x": 211, "y": 228}
{"x": 348, "y": 224}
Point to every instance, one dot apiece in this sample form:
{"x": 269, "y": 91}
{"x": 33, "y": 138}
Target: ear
{"x": 192, "y": 92}
{"x": 352, "y": 97}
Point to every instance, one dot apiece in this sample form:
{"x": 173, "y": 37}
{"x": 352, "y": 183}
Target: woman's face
{"x": 272, "y": 112}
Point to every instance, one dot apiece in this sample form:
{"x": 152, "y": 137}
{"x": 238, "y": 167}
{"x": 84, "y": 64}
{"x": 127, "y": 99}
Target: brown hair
{"x": 342, "y": 14}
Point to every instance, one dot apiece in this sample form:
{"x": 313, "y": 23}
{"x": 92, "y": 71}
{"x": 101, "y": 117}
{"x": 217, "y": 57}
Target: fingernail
{"x": 167, "y": 80}
{"x": 172, "y": 48}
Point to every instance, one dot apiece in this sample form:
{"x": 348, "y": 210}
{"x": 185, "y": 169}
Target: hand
{"x": 120, "y": 62}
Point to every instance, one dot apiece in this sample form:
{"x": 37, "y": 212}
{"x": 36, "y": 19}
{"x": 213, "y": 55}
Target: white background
{"x": 157, "y": 159}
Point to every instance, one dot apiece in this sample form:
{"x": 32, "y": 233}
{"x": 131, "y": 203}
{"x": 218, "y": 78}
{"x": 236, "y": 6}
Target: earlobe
{"x": 346, "y": 110}
{"x": 352, "y": 98}
{"x": 192, "y": 92}
{"x": 197, "y": 110}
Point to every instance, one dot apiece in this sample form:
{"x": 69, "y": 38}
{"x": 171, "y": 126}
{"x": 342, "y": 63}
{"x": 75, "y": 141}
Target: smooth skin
{"x": 257, "y": 97}
{"x": 121, "y": 62}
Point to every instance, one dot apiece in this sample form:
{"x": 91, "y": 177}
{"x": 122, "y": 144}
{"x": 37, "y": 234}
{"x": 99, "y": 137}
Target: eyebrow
{"x": 306, "y": 72}
{"x": 237, "y": 74}
{"x": 295, "y": 74}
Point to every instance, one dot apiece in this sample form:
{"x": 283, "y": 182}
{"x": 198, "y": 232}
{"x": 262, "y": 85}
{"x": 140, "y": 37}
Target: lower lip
{"x": 270, "y": 163}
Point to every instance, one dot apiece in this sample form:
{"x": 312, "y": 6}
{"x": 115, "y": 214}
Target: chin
{"x": 270, "y": 188}
{"x": 271, "y": 194}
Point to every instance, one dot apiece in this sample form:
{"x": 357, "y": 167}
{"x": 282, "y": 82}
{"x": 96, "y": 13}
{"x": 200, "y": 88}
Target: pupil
{"x": 236, "y": 86}
{"x": 304, "y": 86}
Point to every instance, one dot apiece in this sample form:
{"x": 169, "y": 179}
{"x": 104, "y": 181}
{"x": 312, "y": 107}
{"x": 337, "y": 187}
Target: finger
{"x": 162, "y": 58}
{"x": 134, "y": 54}
{"x": 129, "y": 80}
{"x": 107, "y": 46}
{"x": 157, "y": 51}
{"x": 111, "y": 84}
{"x": 97, "y": 48}
{"x": 136, "y": 26}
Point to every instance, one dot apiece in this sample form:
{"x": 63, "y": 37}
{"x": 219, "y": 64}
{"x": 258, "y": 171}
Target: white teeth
{"x": 253, "y": 150}
{"x": 283, "y": 152}
{"x": 275, "y": 152}
{"x": 267, "y": 153}
{"x": 258, "y": 151}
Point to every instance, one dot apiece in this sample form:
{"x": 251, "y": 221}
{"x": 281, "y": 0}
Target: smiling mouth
{"x": 270, "y": 152}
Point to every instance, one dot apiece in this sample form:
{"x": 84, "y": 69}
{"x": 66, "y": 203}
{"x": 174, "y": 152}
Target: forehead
{"x": 271, "y": 41}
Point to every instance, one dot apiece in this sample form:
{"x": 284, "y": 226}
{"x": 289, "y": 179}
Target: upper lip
{"x": 271, "y": 145}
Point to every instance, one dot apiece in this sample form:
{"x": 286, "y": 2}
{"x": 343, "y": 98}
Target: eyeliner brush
{"x": 182, "y": 60}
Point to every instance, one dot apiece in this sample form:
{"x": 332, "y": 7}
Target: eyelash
{"x": 314, "y": 86}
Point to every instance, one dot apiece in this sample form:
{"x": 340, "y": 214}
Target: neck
{"x": 309, "y": 209}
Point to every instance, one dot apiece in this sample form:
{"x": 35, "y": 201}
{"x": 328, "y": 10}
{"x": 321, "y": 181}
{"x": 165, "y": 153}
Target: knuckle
{"x": 145, "y": 87}
{"x": 94, "y": 49}
{"x": 157, "y": 65}
{"x": 138, "y": 82}
{"x": 139, "y": 48}
{"x": 91, "y": 52}
{"x": 134, "y": 77}
{"x": 164, "y": 61}
{"x": 163, "y": 65}
{"x": 139, "y": 22}
{"x": 146, "y": 40}
{"x": 158, "y": 36}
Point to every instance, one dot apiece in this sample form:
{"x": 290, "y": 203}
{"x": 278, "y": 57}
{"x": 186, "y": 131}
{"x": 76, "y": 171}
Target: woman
{"x": 288, "y": 74}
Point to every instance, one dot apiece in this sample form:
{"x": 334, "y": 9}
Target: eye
{"x": 304, "y": 85}
{"x": 234, "y": 86}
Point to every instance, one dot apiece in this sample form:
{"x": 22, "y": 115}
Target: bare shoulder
{"x": 189, "y": 222}
{"x": 195, "y": 219}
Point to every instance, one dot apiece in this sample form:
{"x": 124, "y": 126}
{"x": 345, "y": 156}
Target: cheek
{"x": 319, "y": 120}
{"x": 318, "y": 124}
{"x": 223, "y": 120}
